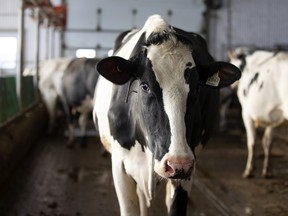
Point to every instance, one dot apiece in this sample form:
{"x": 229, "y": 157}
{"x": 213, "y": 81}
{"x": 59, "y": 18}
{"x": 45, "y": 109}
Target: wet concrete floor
{"x": 57, "y": 181}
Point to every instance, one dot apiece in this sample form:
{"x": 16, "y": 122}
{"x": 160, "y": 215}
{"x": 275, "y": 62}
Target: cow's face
{"x": 166, "y": 106}
{"x": 171, "y": 82}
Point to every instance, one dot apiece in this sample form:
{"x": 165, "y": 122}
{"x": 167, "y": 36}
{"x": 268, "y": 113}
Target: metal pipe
{"x": 52, "y": 54}
{"x": 37, "y": 33}
{"x": 47, "y": 44}
{"x": 62, "y": 43}
{"x": 20, "y": 54}
{"x": 79, "y": 30}
{"x": 229, "y": 25}
{"x": 42, "y": 11}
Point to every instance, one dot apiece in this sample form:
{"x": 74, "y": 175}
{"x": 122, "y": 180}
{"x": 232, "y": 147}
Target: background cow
{"x": 263, "y": 94}
{"x": 158, "y": 101}
{"x": 73, "y": 82}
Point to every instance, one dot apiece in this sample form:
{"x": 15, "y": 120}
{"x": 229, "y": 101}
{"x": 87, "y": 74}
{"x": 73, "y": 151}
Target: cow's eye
{"x": 145, "y": 87}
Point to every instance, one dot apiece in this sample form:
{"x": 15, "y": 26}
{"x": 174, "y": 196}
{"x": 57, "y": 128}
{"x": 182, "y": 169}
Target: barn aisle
{"x": 57, "y": 181}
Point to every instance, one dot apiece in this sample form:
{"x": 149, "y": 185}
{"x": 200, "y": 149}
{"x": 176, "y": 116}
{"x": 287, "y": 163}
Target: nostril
{"x": 169, "y": 168}
{"x": 179, "y": 168}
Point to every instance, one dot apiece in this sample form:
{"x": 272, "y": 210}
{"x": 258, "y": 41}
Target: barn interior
{"x": 40, "y": 174}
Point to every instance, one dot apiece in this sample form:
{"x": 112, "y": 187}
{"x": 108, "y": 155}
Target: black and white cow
{"x": 73, "y": 82}
{"x": 263, "y": 94}
{"x": 156, "y": 100}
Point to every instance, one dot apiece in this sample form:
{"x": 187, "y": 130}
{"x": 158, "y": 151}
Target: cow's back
{"x": 79, "y": 80}
{"x": 263, "y": 89}
{"x": 50, "y": 74}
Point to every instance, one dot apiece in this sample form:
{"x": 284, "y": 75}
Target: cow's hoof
{"x": 267, "y": 175}
{"x": 247, "y": 175}
{"x": 104, "y": 153}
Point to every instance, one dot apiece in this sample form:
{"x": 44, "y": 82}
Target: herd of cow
{"x": 156, "y": 99}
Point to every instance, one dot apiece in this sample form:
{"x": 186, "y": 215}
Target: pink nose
{"x": 180, "y": 168}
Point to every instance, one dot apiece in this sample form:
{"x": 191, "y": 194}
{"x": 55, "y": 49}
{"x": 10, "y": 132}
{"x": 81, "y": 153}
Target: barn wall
{"x": 256, "y": 23}
{"x": 8, "y": 28}
{"x": 260, "y": 23}
{"x": 116, "y": 17}
{"x": 83, "y": 20}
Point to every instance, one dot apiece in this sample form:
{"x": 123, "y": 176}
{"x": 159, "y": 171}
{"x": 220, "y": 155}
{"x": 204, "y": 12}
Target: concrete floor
{"x": 56, "y": 181}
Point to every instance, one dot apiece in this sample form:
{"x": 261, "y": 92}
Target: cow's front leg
{"x": 125, "y": 187}
{"x": 251, "y": 135}
{"x": 178, "y": 197}
{"x": 266, "y": 142}
{"x": 50, "y": 100}
{"x": 83, "y": 121}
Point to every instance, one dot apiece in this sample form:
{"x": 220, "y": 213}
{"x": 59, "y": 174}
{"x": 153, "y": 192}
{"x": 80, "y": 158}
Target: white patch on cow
{"x": 138, "y": 167}
{"x": 50, "y": 77}
{"x": 86, "y": 105}
{"x": 169, "y": 62}
{"x": 102, "y": 99}
{"x": 153, "y": 23}
{"x": 274, "y": 87}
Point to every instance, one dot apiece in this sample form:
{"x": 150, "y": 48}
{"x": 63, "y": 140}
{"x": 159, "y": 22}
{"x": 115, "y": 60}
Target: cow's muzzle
{"x": 179, "y": 169}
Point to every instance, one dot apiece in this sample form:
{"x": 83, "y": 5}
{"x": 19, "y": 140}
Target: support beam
{"x": 20, "y": 53}
{"x": 37, "y": 36}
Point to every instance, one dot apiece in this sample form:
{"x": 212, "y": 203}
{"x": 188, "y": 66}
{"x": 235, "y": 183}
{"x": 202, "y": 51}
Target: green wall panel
{"x": 8, "y": 98}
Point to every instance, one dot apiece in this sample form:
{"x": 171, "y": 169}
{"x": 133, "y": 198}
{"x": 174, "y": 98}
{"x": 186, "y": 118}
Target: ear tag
{"x": 213, "y": 80}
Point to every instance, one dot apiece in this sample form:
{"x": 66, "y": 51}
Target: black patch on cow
{"x": 151, "y": 111}
{"x": 179, "y": 202}
{"x": 189, "y": 73}
{"x": 138, "y": 49}
{"x": 244, "y": 92}
{"x": 252, "y": 81}
{"x": 198, "y": 46}
{"x": 121, "y": 125}
{"x": 157, "y": 38}
{"x": 78, "y": 82}
{"x": 243, "y": 62}
{"x": 261, "y": 86}
{"x": 193, "y": 116}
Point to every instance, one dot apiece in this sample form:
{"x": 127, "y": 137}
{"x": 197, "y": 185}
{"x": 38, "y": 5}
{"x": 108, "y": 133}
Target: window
{"x": 88, "y": 53}
{"x": 8, "y": 52}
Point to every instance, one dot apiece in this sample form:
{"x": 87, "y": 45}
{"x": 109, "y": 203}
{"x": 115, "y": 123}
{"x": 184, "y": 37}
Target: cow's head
{"x": 168, "y": 85}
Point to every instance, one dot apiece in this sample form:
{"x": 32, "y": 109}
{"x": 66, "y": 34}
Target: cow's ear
{"x": 219, "y": 74}
{"x": 116, "y": 69}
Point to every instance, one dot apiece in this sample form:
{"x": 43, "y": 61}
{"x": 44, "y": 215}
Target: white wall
{"x": 261, "y": 23}
{"x": 9, "y": 28}
{"x": 116, "y": 16}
